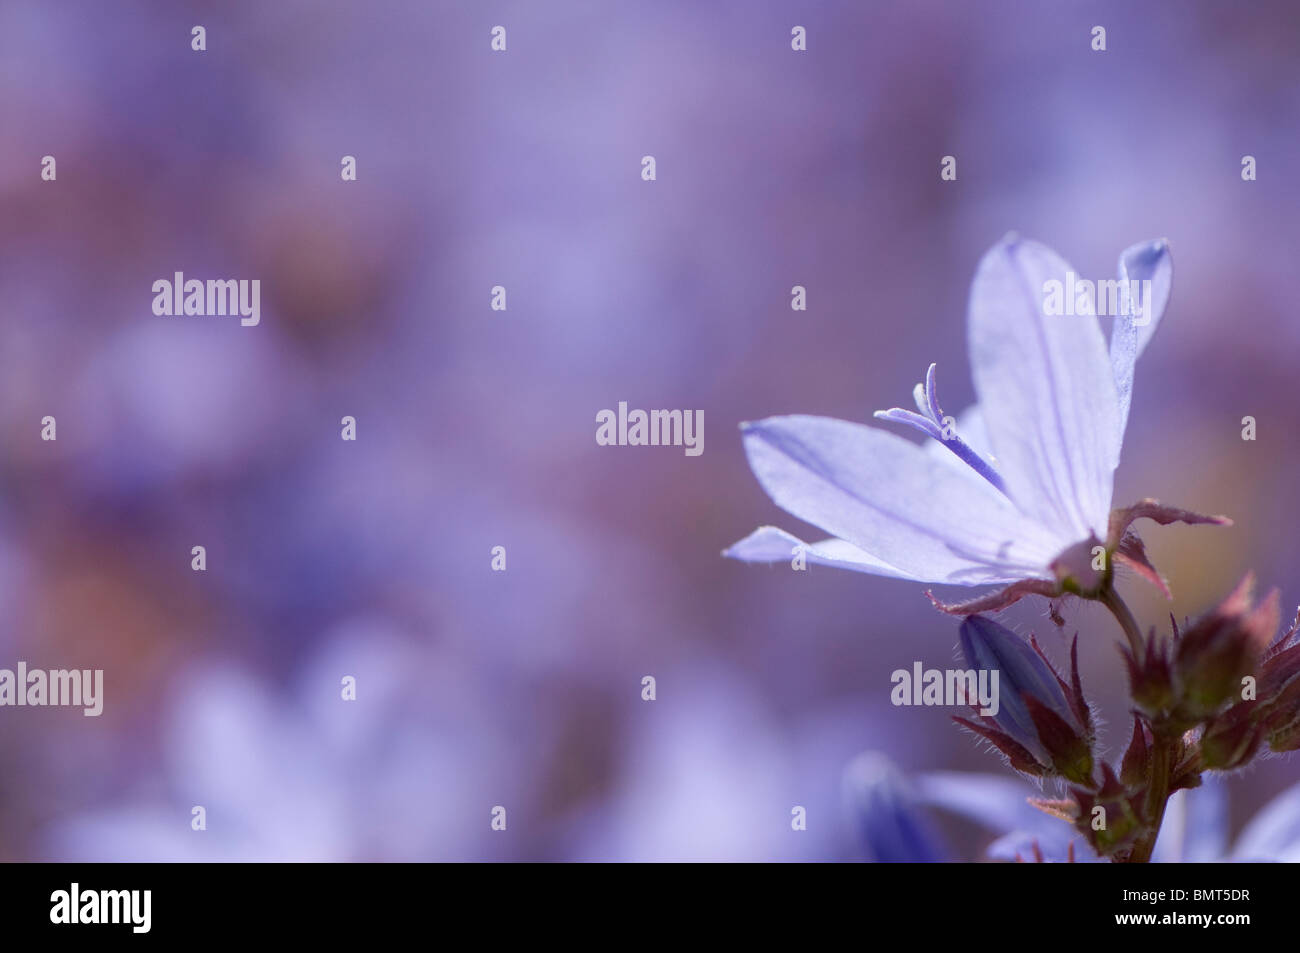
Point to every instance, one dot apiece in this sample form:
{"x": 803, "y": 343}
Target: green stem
{"x": 1112, "y": 601}
{"x": 1157, "y": 797}
{"x": 1164, "y": 747}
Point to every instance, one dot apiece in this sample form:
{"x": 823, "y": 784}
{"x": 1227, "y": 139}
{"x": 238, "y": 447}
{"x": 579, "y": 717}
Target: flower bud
{"x": 1279, "y": 691}
{"x": 1151, "y": 681}
{"x": 1282, "y": 719}
{"x": 1111, "y": 817}
{"x": 1043, "y": 726}
{"x": 1214, "y": 656}
{"x": 892, "y": 827}
{"x": 1281, "y": 663}
{"x": 1231, "y": 739}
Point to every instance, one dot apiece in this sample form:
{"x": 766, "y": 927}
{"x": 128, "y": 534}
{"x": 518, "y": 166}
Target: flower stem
{"x": 1164, "y": 749}
{"x": 1157, "y": 797}
{"x": 1112, "y": 601}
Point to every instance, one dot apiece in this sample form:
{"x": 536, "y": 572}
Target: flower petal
{"x": 887, "y": 497}
{"x": 997, "y": 802}
{"x": 1274, "y": 833}
{"x": 1057, "y": 846}
{"x": 1046, "y": 389}
{"x": 1001, "y": 805}
{"x": 1146, "y": 261}
{"x": 1195, "y": 826}
{"x": 767, "y": 544}
{"x": 891, "y": 824}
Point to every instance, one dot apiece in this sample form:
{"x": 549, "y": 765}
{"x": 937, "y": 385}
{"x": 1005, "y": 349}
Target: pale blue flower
{"x": 1021, "y": 491}
{"x": 305, "y": 776}
{"x": 1195, "y": 828}
{"x": 884, "y": 807}
{"x": 894, "y": 815}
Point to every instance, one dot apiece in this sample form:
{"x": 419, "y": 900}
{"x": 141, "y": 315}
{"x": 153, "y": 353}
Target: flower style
{"x": 1015, "y": 492}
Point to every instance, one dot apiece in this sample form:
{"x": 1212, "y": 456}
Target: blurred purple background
{"x": 476, "y": 427}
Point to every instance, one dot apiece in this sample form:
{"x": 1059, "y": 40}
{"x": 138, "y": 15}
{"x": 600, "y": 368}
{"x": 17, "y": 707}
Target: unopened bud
{"x": 1111, "y": 817}
{"x": 1232, "y": 738}
{"x": 1222, "y": 648}
{"x": 1043, "y": 725}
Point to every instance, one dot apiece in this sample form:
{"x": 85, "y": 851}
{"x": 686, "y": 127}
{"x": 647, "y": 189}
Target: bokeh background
{"x": 476, "y": 428}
